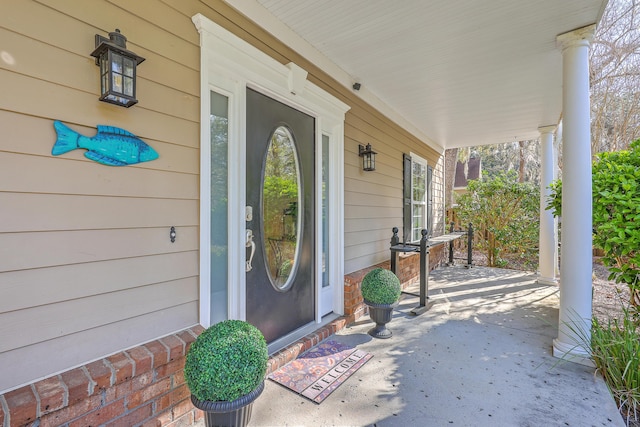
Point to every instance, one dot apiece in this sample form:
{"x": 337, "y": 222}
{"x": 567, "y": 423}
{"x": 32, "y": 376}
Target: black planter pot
{"x": 228, "y": 414}
{"x": 381, "y": 314}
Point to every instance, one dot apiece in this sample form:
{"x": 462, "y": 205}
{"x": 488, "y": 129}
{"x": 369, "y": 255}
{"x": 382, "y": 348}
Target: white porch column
{"x": 576, "y": 255}
{"x": 548, "y": 238}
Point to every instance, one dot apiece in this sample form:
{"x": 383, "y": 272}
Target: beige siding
{"x": 85, "y": 259}
{"x": 374, "y": 198}
{"x": 43, "y": 358}
{"x": 23, "y": 288}
{"x": 86, "y": 264}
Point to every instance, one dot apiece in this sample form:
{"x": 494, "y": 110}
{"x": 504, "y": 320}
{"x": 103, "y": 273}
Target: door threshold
{"x": 287, "y": 348}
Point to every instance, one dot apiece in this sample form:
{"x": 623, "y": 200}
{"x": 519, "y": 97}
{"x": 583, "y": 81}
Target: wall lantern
{"x": 368, "y": 157}
{"x": 117, "y": 69}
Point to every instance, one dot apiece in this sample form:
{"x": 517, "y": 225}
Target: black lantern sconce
{"x": 368, "y": 157}
{"x": 117, "y": 69}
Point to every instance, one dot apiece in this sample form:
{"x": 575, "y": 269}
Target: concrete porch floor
{"x": 480, "y": 356}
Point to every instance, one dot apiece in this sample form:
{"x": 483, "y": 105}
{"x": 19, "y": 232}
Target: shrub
{"x": 505, "y": 215}
{"x": 226, "y": 361}
{"x": 381, "y": 286}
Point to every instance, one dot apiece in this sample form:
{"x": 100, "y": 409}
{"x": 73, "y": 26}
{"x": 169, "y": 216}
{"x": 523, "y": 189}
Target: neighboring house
{"x": 465, "y": 172}
{"x": 108, "y": 273}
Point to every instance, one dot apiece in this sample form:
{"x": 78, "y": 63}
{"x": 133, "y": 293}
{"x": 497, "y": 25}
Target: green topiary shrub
{"x": 381, "y": 286}
{"x": 227, "y": 361}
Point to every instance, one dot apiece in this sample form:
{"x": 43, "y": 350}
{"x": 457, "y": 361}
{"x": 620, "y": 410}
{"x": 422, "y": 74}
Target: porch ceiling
{"x": 460, "y": 72}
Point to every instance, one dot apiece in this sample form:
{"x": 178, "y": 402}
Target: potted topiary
{"x": 381, "y": 292}
{"x": 225, "y": 369}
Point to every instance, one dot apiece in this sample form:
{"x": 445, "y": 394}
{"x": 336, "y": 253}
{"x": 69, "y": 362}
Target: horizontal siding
{"x": 19, "y": 91}
{"x": 42, "y": 323}
{"x": 21, "y": 251}
{"x": 370, "y": 237}
{"x": 368, "y": 224}
{"x": 50, "y": 212}
{"x": 59, "y": 175}
{"x": 373, "y": 200}
{"x": 82, "y": 347}
{"x": 377, "y": 208}
{"x": 362, "y": 186}
{"x": 361, "y": 212}
{"x": 144, "y": 36}
{"x": 36, "y": 52}
{"x": 23, "y": 289}
{"x": 24, "y": 134}
{"x": 86, "y": 262}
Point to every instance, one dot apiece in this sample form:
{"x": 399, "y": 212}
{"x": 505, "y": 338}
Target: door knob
{"x": 250, "y": 244}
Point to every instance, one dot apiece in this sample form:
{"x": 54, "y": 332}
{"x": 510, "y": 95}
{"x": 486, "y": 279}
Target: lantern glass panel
{"x": 368, "y": 162}
{"x": 128, "y": 85}
{"x": 104, "y": 82}
{"x": 104, "y": 62}
{"x": 116, "y": 83}
{"x": 116, "y": 62}
{"x": 128, "y": 67}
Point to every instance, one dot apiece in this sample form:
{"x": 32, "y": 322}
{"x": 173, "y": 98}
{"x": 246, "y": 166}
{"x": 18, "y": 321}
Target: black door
{"x": 280, "y": 198}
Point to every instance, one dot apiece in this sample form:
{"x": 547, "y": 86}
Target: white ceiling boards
{"x": 458, "y": 72}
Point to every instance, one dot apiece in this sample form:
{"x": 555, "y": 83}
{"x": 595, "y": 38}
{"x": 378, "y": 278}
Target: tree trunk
{"x": 522, "y": 162}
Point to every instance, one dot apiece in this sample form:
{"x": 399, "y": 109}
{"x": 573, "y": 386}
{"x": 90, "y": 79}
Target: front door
{"x": 280, "y": 220}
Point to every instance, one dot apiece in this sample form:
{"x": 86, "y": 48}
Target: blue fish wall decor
{"x": 111, "y": 146}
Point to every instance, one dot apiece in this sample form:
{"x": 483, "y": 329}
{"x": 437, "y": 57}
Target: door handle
{"x": 250, "y": 244}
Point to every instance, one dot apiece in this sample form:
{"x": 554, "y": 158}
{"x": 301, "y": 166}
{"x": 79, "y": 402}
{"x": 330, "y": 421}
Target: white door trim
{"x": 229, "y": 65}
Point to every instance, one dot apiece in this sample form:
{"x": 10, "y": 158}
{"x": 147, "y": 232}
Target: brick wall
{"x": 140, "y": 386}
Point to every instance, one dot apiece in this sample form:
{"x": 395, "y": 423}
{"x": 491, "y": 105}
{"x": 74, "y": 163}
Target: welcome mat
{"x": 319, "y": 371}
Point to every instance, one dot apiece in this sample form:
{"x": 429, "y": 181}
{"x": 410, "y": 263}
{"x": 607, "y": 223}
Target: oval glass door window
{"x": 281, "y": 209}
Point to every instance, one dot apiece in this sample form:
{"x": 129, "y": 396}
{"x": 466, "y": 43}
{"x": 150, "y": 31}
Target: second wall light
{"x": 368, "y": 157}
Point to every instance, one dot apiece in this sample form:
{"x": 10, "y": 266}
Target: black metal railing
{"x": 423, "y": 248}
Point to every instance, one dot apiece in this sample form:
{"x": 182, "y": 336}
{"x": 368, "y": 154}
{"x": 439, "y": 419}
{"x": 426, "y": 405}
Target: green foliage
{"x": 615, "y": 350}
{"x": 280, "y": 205}
{"x": 554, "y": 200}
{"x": 505, "y": 214}
{"x": 616, "y": 214}
{"x": 381, "y": 286}
{"x": 285, "y": 269}
{"x": 226, "y": 361}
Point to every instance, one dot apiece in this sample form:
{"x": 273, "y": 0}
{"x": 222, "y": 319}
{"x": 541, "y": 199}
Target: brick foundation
{"x": 141, "y": 386}
{"x": 145, "y": 385}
